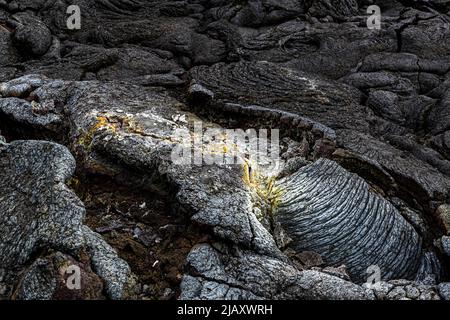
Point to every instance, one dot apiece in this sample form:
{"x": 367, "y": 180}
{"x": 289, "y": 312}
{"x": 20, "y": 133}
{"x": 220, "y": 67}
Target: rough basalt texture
{"x": 32, "y": 174}
{"x": 229, "y": 273}
{"x": 90, "y": 120}
{"x": 39, "y": 212}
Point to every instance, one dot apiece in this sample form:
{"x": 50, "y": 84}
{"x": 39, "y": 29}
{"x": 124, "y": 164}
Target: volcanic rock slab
{"x": 229, "y": 273}
{"x": 38, "y": 211}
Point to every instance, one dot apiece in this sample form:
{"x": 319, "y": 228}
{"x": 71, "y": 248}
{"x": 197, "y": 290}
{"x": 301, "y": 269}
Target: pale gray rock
{"x": 39, "y": 283}
{"x": 35, "y": 172}
{"x": 22, "y": 86}
{"x": 39, "y": 211}
{"x": 444, "y": 290}
{"x": 404, "y": 290}
{"x": 230, "y": 272}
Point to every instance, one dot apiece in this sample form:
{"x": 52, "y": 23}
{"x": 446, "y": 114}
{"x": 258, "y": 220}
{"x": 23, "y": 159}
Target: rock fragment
{"x": 38, "y": 211}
